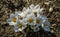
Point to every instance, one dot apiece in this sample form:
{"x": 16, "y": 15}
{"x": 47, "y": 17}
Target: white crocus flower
{"x": 38, "y": 22}
{"x": 26, "y": 11}
{"x": 36, "y": 9}
{"x": 21, "y": 25}
{"x": 31, "y": 19}
{"x": 35, "y": 28}
{"x": 13, "y": 19}
{"x": 45, "y": 23}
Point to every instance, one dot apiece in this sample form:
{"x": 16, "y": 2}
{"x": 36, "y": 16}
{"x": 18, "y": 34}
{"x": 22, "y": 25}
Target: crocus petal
{"x": 47, "y": 23}
{"x": 24, "y": 9}
{"x": 46, "y": 28}
{"x": 37, "y": 7}
{"x": 41, "y": 10}
{"x": 12, "y": 23}
{"x": 43, "y": 18}
{"x": 12, "y": 15}
{"x": 28, "y": 11}
{"x": 37, "y": 29}
{"x": 20, "y": 29}
{"x": 16, "y": 28}
{"x": 9, "y": 21}
{"x": 17, "y": 13}
{"x": 31, "y": 6}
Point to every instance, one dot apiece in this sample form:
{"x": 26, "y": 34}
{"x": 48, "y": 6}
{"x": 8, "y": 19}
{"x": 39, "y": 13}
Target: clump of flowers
{"x": 31, "y": 16}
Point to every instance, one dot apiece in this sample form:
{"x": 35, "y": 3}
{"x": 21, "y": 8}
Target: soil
{"x": 10, "y": 6}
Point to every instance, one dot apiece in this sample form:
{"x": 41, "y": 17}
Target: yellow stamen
{"x": 33, "y": 26}
{"x": 35, "y": 13}
{"x": 20, "y": 25}
{"x": 30, "y": 20}
{"x": 37, "y": 21}
{"x": 36, "y": 28}
{"x": 20, "y": 17}
{"x": 14, "y": 19}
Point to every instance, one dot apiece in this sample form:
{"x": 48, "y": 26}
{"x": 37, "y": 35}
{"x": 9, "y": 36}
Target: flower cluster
{"x": 32, "y": 16}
